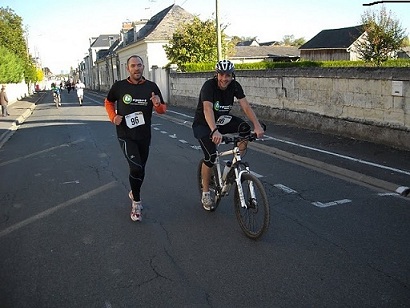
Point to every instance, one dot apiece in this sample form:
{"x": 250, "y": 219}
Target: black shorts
{"x": 202, "y": 132}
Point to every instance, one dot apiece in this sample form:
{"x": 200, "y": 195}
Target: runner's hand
{"x": 155, "y": 99}
{"x": 117, "y": 119}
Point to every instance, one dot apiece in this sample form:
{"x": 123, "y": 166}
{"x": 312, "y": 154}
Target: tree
{"x": 384, "y": 35}
{"x": 11, "y": 67}
{"x": 406, "y": 42}
{"x": 11, "y": 33}
{"x": 289, "y": 40}
{"x": 194, "y": 42}
{"x": 15, "y": 61}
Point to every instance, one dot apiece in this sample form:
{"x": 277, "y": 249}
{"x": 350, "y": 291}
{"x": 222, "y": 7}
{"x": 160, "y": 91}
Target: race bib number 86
{"x": 134, "y": 119}
{"x": 223, "y": 120}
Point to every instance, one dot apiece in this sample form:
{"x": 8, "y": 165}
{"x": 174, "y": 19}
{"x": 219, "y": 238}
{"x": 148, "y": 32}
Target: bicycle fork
{"x": 240, "y": 188}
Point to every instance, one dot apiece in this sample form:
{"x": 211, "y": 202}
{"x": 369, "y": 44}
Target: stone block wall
{"x": 366, "y": 103}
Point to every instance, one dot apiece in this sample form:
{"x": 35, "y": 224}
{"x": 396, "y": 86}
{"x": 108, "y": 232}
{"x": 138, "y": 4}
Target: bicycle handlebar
{"x": 251, "y": 137}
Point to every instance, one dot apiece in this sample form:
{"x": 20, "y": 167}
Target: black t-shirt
{"x": 134, "y": 99}
{"x": 222, "y": 100}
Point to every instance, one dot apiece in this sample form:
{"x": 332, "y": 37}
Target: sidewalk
{"x": 19, "y": 111}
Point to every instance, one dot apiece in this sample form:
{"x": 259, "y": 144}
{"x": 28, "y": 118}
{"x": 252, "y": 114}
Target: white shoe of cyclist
{"x": 207, "y": 202}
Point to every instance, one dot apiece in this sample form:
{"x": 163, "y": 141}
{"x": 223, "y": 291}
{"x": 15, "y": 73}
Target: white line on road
{"x": 181, "y": 114}
{"x": 41, "y": 152}
{"x": 388, "y": 194}
{"x": 56, "y": 208}
{"x": 285, "y": 189}
{"x": 320, "y": 204}
{"x": 342, "y": 156}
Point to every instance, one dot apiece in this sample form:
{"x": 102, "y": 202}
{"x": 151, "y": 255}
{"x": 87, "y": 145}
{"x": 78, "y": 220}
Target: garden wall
{"x": 366, "y": 103}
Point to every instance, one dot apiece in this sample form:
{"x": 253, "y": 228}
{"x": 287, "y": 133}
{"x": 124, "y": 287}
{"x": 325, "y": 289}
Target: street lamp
{"x": 387, "y": 1}
{"x": 218, "y": 32}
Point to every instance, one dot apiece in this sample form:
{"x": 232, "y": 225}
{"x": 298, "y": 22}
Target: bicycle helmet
{"x": 225, "y": 66}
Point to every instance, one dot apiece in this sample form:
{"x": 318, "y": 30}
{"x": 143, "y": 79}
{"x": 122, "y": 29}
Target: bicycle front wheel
{"x": 254, "y": 218}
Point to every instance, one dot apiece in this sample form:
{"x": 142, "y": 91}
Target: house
{"x": 107, "y": 68}
{"x": 271, "y": 43}
{"x": 248, "y": 43}
{"x": 333, "y": 45}
{"x": 404, "y": 53}
{"x": 97, "y": 44}
{"x": 146, "y": 40}
{"x": 251, "y": 54}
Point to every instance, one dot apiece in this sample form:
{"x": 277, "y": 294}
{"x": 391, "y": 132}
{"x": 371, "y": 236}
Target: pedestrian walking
{"x": 129, "y": 105}
{"x": 4, "y": 101}
{"x": 80, "y": 91}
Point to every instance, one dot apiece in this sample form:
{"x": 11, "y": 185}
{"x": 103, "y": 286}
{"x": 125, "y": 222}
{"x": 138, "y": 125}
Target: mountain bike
{"x": 250, "y": 200}
{"x": 57, "y": 98}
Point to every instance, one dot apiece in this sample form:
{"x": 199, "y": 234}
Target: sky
{"x": 59, "y": 32}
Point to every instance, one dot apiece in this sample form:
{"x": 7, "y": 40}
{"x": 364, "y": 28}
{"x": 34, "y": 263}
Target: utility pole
{"x": 218, "y": 32}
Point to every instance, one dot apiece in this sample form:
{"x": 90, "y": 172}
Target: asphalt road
{"x": 338, "y": 236}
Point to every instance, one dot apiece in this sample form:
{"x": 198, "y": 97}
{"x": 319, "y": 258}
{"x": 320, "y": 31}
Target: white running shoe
{"x": 207, "y": 202}
{"x": 132, "y": 198}
{"x": 136, "y": 211}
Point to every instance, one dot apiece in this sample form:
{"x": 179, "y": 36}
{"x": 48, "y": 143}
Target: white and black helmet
{"x": 225, "y": 66}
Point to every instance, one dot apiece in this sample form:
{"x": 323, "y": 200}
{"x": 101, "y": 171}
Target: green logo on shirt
{"x": 216, "y": 106}
{"x": 127, "y": 99}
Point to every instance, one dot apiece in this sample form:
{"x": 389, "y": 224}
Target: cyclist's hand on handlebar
{"x": 217, "y": 137}
{"x": 259, "y": 131}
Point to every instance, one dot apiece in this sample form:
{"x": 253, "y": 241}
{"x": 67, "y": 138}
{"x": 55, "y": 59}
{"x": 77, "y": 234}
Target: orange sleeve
{"x": 162, "y": 108}
{"x": 110, "y": 108}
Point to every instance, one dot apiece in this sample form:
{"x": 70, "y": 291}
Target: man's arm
{"x": 112, "y": 115}
{"x": 247, "y": 109}
{"x": 216, "y": 136}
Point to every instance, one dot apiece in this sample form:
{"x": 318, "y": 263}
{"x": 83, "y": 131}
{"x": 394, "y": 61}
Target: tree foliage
{"x": 11, "y": 67}
{"x": 384, "y": 35}
{"x": 15, "y": 63}
{"x": 194, "y": 42}
{"x": 289, "y": 40}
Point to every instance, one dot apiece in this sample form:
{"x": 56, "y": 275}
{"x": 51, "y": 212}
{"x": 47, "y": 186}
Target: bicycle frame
{"x": 222, "y": 183}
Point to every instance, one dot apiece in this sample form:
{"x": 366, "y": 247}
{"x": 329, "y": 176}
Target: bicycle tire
{"x": 56, "y": 100}
{"x": 253, "y": 220}
{"x": 213, "y": 187}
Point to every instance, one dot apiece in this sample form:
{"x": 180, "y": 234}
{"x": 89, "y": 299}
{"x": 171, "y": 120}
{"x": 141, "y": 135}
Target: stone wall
{"x": 366, "y": 103}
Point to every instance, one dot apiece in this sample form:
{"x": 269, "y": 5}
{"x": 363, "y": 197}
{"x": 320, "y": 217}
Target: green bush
{"x": 264, "y": 65}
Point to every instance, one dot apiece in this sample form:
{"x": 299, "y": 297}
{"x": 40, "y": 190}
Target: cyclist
{"x": 56, "y": 92}
{"x": 212, "y": 119}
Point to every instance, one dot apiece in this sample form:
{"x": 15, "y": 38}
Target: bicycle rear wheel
{"x": 254, "y": 219}
{"x": 213, "y": 186}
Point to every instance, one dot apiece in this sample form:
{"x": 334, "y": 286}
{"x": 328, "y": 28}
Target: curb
{"x": 15, "y": 124}
{"x": 323, "y": 167}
